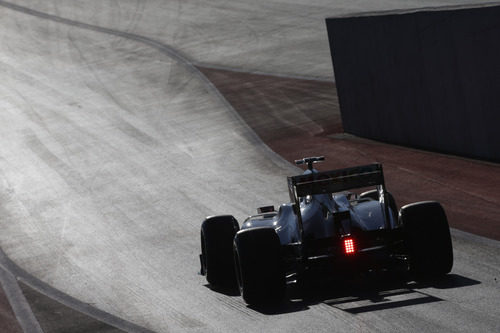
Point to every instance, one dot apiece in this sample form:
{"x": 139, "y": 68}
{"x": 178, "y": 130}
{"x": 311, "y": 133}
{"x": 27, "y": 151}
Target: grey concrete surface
{"x": 271, "y": 36}
{"x": 113, "y": 150}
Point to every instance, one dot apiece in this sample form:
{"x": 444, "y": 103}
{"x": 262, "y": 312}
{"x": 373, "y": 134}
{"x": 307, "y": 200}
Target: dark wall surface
{"x": 428, "y": 79}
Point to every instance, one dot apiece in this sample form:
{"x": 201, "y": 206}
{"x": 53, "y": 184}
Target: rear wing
{"x": 335, "y": 181}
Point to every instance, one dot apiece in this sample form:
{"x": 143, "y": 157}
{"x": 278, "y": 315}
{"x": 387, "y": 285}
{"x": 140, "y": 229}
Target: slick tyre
{"x": 217, "y": 235}
{"x": 259, "y": 266}
{"x": 427, "y": 238}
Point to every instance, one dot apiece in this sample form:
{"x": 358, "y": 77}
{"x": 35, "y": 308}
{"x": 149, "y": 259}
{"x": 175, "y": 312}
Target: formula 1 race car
{"x": 326, "y": 231}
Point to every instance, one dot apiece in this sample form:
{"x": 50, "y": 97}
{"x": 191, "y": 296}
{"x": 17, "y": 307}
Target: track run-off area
{"x": 115, "y": 146}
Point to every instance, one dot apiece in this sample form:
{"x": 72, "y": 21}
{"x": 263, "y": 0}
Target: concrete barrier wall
{"x": 427, "y": 79}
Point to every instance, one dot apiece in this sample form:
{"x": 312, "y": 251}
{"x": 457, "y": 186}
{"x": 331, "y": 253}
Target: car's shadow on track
{"x": 288, "y": 306}
{"x": 230, "y": 291}
{"x": 364, "y": 295}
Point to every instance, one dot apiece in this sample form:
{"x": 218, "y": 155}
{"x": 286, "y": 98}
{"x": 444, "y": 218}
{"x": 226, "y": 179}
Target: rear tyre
{"x": 259, "y": 266}
{"x": 217, "y": 235}
{"x": 427, "y": 238}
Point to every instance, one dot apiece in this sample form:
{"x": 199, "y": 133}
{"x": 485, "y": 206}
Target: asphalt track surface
{"x": 115, "y": 147}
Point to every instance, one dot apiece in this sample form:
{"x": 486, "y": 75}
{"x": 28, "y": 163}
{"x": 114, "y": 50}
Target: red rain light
{"x": 349, "y": 246}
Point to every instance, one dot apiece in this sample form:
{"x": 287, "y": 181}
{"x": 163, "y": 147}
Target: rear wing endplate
{"x": 335, "y": 181}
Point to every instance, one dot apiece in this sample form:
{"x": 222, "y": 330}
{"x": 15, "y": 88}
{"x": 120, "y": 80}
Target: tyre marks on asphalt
{"x": 53, "y": 156}
{"x": 72, "y": 178}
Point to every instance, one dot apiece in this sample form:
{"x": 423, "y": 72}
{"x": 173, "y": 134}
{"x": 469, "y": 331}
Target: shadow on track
{"x": 228, "y": 291}
{"x": 360, "y": 295}
{"x": 380, "y": 293}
